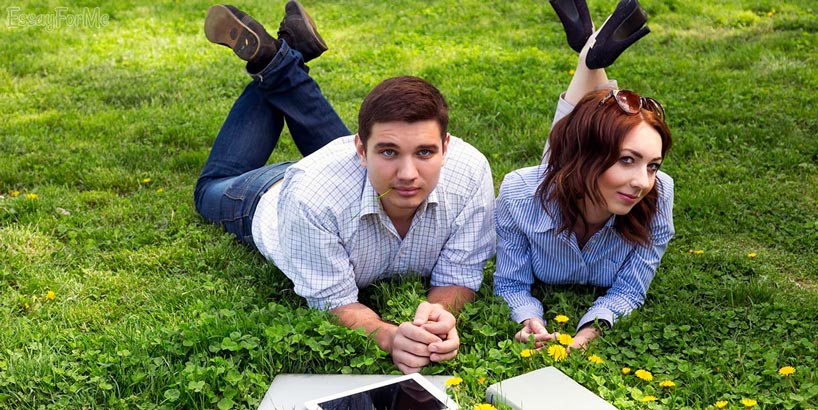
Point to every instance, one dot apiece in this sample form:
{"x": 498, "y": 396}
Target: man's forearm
{"x": 359, "y": 316}
{"x": 452, "y": 298}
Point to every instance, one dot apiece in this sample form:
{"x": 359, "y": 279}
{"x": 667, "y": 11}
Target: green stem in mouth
{"x": 384, "y": 194}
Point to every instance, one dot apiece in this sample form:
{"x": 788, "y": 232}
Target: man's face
{"x": 403, "y": 161}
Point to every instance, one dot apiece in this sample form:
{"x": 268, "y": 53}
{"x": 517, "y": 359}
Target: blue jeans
{"x": 236, "y": 175}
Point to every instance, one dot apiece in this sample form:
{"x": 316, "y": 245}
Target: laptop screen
{"x": 403, "y": 395}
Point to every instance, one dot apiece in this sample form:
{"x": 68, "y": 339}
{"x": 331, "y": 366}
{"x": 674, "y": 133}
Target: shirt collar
{"x": 551, "y": 220}
{"x": 370, "y": 204}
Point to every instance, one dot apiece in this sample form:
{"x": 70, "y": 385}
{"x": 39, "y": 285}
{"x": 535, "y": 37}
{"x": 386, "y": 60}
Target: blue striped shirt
{"x": 529, "y": 248}
{"x": 326, "y": 229}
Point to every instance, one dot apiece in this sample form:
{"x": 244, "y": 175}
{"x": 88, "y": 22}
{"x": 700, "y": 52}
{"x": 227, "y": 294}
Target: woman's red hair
{"x": 584, "y": 144}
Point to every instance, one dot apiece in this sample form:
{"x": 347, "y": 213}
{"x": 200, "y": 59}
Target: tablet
{"x": 411, "y": 391}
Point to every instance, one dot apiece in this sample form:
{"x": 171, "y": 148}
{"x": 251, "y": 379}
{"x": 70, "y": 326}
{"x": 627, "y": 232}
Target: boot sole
{"x": 222, "y": 27}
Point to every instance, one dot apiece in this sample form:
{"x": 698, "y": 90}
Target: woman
{"x": 597, "y": 211}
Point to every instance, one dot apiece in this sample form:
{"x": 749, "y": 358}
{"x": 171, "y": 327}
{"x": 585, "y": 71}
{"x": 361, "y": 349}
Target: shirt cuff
{"x": 521, "y": 313}
{"x": 596, "y": 313}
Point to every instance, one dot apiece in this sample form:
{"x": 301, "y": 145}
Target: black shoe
{"x": 576, "y": 19}
{"x": 623, "y": 28}
{"x": 299, "y": 31}
{"x": 229, "y": 26}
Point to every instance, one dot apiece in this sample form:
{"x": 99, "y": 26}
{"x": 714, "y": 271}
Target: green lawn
{"x": 115, "y": 294}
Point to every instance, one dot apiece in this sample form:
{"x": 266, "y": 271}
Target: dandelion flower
{"x": 565, "y": 339}
{"x": 527, "y": 352}
{"x": 752, "y": 255}
{"x": 571, "y": 71}
{"x": 14, "y": 193}
{"x": 720, "y": 404}
{"x": 644, "y": 375}
{"x": 557, "y": 352}
{"x": 50, "y": 295}
{"x": 481, "y": 380}
{"x": 454, "y": 381}
{"x": 27, "y": 306}
{"x": 484, "y": 406}
{"x": 159, "y": 190}
{"x": 697, "y": 251}
{"x": 786, "y": 370}
{"x": 748, "y": 402}
{"x": 626, "y": 370}
{"x": 32, "y": 196}
{"x": 146, "y": 180}
{"x": 561, "y": 319}
{"x": 595, "y": 359}
{"x": 649, "y": 398}
{"x": 667, "y": 383}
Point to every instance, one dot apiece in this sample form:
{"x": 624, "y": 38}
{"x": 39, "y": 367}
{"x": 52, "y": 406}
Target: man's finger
{"x": 422, "y": 313}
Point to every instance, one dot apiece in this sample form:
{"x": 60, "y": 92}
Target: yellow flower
{"x": 626, "y": 370}
{"x": 146, "y": 180}
{"x": 752, "y": 255}
{"x": 595, "y": 359}
{"x": 454, "y": 381}
{"x": 528, "y": 352}
{"x": 481, "y": 380}
{"x": 50, "y": 295}
{"x": 644, "y": 375}
{"x": 748, "y": 402}
{"x": 565, "y": 339}
{"x": 27, "y": 306}
{"x": 667, "y": 383}
{"x": 557, "y": 352}
{"x": 698, "y": 251}
{"x": 649, "y": 398}
{"x": 561, "y": 319}
{"x": 571, "y": 71}
{"x": 786, "y": 370}
{"x": 721, "y": 404}
{"x": 484, "y": 406}
{"x": 32, "y": 196}
{"x": 160, "y": 190}
{"x": 14, "y": 193}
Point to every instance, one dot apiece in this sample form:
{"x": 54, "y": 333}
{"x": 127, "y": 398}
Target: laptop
{"x": 545, "y": 389}
{"x": 292, "y": 391}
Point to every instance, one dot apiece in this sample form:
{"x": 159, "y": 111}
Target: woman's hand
{"x": 535, "y": 327}
{"x": 583, "y": 337}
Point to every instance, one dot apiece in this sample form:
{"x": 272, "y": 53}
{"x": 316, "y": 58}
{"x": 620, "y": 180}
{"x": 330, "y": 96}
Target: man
{"x": 401, "y": 196}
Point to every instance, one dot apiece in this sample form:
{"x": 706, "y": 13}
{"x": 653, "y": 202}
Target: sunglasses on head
{"x": 631, "y": 103}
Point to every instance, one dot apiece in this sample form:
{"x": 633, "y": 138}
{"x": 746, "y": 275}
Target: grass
{"x": 106, "y": 126}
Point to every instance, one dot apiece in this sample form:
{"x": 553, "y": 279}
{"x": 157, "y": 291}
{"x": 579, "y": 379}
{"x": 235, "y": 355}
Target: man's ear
{"x": 361, "y": 149}
{"x": 446, "y": 144}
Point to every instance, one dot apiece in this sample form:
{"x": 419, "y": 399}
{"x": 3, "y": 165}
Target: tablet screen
{"x": 403, "y": 395}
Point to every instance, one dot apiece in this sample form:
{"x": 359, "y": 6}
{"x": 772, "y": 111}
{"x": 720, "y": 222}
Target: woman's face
{"x": 633, "y": 175}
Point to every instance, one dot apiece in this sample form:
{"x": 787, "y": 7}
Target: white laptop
{"x": 545, "y": 389}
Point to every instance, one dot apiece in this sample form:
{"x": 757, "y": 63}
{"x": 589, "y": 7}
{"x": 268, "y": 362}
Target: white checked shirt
{"x": 326, "y": 230}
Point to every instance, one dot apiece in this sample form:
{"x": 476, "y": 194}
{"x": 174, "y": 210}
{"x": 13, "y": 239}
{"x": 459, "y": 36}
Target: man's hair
{"x": 583, "y": 145}
{"x": 405, "y": 98}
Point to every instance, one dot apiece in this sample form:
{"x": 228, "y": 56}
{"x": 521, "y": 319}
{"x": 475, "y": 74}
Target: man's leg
{"x": 235, "y": 175}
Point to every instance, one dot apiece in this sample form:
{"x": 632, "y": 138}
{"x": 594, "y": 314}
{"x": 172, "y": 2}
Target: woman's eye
{"x": 653, "y": 167}
{"x": 626, "y": 160}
